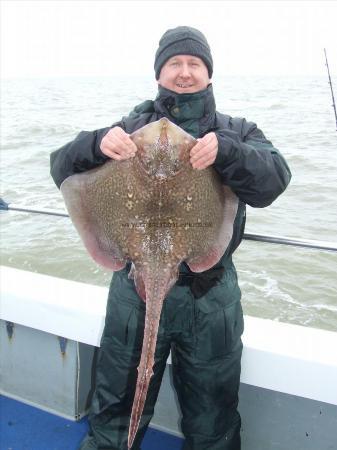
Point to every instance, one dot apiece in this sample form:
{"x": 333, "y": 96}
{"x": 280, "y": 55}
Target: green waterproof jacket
{"x": 246, "y": 161}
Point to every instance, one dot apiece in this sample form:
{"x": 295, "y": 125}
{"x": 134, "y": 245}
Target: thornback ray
{"x": 155, "y": 211}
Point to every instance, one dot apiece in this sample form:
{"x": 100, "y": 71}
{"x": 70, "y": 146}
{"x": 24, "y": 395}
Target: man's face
{"x": 184, "y": 74}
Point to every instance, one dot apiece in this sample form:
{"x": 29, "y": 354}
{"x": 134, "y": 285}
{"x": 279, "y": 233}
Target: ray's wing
{"x": 85, "y": 196}
{"x": 208, "y": 259}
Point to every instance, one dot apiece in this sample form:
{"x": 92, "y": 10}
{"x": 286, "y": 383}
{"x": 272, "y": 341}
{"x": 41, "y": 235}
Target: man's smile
{"x": 184, "y": 85}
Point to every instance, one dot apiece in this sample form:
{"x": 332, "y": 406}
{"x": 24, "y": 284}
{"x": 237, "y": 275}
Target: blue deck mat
{"x": 24, "y": 427}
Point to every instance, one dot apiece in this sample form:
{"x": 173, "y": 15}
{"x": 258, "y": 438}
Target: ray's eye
{"x": 147, "y": 163}
{"x": 176, "y": 165}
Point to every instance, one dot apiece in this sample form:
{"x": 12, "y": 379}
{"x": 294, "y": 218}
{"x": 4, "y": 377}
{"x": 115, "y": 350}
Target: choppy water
{"x": 283, "y": 283}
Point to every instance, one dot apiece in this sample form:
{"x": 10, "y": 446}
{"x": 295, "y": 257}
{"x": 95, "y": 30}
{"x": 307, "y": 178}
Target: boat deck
{"x": 23, "y": 427}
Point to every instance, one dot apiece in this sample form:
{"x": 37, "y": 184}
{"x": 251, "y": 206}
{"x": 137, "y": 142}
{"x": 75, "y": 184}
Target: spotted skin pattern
{"x": 155, "y": 211}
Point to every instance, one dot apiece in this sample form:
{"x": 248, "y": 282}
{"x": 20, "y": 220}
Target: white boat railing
{"x": 277, "y": 356}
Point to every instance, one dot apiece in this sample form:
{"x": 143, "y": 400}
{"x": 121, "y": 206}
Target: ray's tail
{"x": 156, "y": 287}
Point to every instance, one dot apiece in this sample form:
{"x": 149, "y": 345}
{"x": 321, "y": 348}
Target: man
{"x": 202, "y": 320}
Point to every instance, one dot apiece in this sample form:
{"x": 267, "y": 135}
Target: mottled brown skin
{"x": 156, "y": 211}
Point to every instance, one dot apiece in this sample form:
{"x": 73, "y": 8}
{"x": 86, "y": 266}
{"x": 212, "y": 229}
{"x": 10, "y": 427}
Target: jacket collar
{"x": 194, "y": 113}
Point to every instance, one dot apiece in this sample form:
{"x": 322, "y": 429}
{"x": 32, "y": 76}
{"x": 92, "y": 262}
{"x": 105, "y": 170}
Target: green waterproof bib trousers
{"x": 204, "y": 336}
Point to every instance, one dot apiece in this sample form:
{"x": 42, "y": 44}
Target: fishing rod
{"x": 306, "y": 243}
{"x": 333, "y": 98}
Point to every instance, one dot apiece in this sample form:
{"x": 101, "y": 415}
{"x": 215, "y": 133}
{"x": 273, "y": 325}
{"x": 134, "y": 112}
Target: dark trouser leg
{"x": 116, "y": 372}
{"x": 206, "y": 376}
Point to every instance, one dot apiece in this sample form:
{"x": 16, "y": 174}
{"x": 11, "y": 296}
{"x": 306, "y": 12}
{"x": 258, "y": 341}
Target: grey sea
{"x": 282, "y": 283}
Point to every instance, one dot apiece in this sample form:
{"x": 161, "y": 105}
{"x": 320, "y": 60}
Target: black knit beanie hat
{"x": 183, "y": 41}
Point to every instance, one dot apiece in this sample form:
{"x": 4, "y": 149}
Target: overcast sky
{"x": 104, "y": 38}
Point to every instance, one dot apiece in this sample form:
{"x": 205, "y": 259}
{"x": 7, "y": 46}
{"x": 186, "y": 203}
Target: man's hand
{"x": 204, "y": 152}
{"x": 117, "y": 144}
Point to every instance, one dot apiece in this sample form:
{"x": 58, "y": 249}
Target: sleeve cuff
{"x": 224, "y": 148}
{"x": 99, "y": 136}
